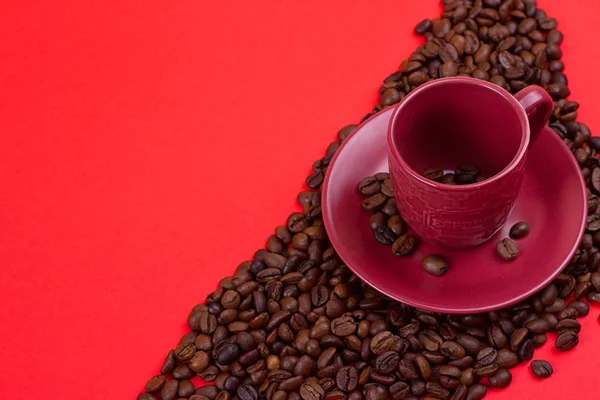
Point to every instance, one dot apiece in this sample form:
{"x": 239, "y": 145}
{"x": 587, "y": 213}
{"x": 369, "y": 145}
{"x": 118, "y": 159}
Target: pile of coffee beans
{"x": 294, "y": 323}
{"x": 464, "y": 174}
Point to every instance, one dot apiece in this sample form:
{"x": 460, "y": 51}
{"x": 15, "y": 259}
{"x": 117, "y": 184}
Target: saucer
{"x": 552, "y": 200}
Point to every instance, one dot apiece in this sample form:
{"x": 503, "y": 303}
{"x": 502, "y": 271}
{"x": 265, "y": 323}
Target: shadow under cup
{"x": 458, "y": 123}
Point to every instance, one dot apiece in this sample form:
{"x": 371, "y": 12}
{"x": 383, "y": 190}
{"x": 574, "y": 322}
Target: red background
{"x": 149, "y": 147}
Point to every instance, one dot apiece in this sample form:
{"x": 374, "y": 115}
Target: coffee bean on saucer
{"x": 507, "y": 249}
{"x": 435, "y": 265}
{"x": 374, "y": 202}
{"x": 519, "y": 230}
{"x": 434, "y": 174}
{"x": 397, "y": 224}
{"x": 404, "y": 245}
{"x": 377, "y": 220}
{"x": 385, "y": 235}
{"x": 464, "y": 179}
{"x": 369, "y": 186}
{"x": 541, "y": 368}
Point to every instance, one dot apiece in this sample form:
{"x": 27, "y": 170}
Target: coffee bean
{"x": 397, "y": 225}
{"x": 538, "y": 325}
{"x": 519, "y": 230}
{"x": 434, "y": 174}
{"x": 155, "y": 383}
{"x": 169, "y": 390}
{"x": 145, "y": 396}
{"x": 501, "y": 379}
{"x": 568, "y": 325}
{"x": 452, "y": 350}
{"x": 435, "y": 265}
{"x": 507, "y": 359}
{"x": 486, "y": 356}
{"x": 247, "y": 392}
{"x": 567, "y": 341}
{"x": 423, "y": 26}
{"x": 507, "y": 249}
{"x": 476, "y": 392}
{"x": 347, "y": 379}
{"x": 382, "y": 342}
{"x": 541, "y": 368}
{"x": 438, "y": 390}
{"x": 399, "y": 390}
{"x": 525, "y": 350}
{"x": 369, "y": 186}
{"x": 404, "y": 245}
{"x": 169, "y": 364}
{"x": 343, "y": 326}
{"x": 486, "y": 370}
{"x": 311, "y": 391}
{"x": 385, "y": 235}
{"x": 464, "y": 179}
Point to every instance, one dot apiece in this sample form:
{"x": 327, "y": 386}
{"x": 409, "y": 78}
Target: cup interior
{"x": 458, "y": 122}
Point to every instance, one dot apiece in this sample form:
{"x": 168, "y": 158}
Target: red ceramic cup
{"x": 461, "y": 120}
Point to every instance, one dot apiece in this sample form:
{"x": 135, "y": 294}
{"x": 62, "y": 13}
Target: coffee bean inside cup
{"x": 463, "y": 174}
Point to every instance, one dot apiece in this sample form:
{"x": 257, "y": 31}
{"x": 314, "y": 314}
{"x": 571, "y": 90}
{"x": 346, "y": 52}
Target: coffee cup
{"x": 461, "y": 120}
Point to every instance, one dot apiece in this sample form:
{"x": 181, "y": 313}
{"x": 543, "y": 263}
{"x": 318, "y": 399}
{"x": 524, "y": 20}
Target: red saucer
{"x": 552, "y": 200}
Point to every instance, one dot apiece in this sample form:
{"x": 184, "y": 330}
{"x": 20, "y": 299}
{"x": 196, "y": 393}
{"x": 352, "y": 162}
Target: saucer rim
{"x": 330, "y": 227}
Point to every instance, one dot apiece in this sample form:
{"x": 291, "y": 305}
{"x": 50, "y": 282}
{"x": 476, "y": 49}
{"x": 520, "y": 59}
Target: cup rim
{"x": 520, "y": 154}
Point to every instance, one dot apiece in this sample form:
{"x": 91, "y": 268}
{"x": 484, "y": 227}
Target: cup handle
{"x": 538, "y": 105}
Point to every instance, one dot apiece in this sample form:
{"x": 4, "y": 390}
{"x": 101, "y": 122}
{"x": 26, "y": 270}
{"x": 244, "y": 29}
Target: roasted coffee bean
{"x": 435, "y": 265}
{"x": 541, "y": 368}
{"x": 452, "y": 350}
{"x": 169, "y": 390}
{"x": 382, "y": 342}
{"x": 399, "y": 390}
{"x": 423, "y": 27}
{"x": 486, "y": 370}
{"x": 507, "y": 359}
{"x": 387, "y": 362}
{"x": 369, "y": 186}
{"x": 519, "y": 230}
{"x": 404, "y": 245}
{"x": 434, "y": 174}
{"x": 155, "y": 383}
{"x": 438, "y": 390}
{"x": 501, "y": 378}
{"x": 525, "y": 350}
{"x": 580, "y": 307}
{"x": 476, "y": 392}
{"x": 385, "y": 235}
{"x": 343, "y": 326}
{"x": 397, "y": 225}
{"x": 538, "y": 325}
{"x": 568, "y": 325}
{"x": 566, "y": 341}
{"x": 347, "y": 379}
{"x": 487, "y": 355}
{"x": 507, "y": 249}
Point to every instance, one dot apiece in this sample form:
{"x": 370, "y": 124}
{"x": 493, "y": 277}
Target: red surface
{"x": 138, "y": 140}
{"x": 552, "y": 199}
{"x": 458, "y": 120}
